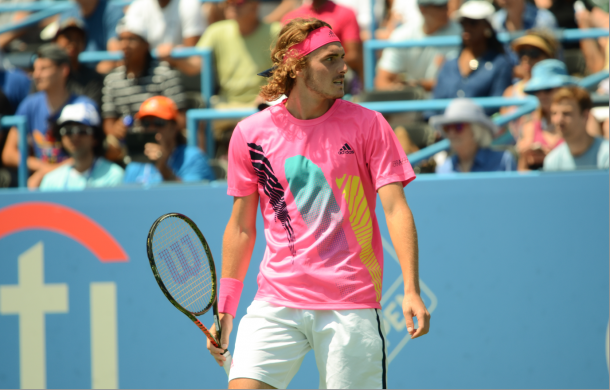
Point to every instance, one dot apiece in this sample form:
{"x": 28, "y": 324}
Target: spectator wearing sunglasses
{"x": 539, "y": 136}
{"x": 170, "y": 158}
{"x": 79, "y": 129}
{"x": 482, "y": 68}
{"x": 531, "y": 48}
{"x": 470, "y": 133}
{"x": 51, "y": 72}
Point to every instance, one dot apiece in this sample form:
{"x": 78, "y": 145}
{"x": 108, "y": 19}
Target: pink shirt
{"x": 341, "y": 19}
{"x": 318, "y": 180}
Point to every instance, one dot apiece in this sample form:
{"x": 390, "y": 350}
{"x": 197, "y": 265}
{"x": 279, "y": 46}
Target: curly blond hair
{"x": 286, "y": 65}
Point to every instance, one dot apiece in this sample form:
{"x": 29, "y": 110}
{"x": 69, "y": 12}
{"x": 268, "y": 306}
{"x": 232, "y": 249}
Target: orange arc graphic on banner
{"x": 62, "y": 220}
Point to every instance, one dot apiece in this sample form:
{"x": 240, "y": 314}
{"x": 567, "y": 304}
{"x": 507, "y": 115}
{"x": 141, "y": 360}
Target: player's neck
{"x": 302, "y": 104}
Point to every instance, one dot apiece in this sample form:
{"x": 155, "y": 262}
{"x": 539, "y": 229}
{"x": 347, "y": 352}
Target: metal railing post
{"x": 20, "y": 122}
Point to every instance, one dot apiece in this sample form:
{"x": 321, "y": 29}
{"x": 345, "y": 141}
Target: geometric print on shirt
{"x": 362, "y": 225}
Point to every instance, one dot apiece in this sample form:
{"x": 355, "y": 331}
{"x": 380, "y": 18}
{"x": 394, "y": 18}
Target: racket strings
{"x": 182, "y": 264}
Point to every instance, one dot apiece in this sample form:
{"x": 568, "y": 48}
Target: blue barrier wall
{"x": 514, "y": 269}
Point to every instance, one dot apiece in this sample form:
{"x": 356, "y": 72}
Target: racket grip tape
{"x": 227, "y": 363}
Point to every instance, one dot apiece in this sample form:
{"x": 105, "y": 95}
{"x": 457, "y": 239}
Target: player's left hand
{"x": 413, "y": 306}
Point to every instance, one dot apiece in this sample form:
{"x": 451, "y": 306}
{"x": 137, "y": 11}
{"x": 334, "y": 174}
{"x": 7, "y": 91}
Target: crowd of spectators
{"x": 121, "y": 122}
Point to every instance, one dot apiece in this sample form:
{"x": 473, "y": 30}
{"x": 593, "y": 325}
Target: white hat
{"x": 475, "y": 9}
{"x": 133, "y": 23}
{"x": 463, "y": 111}
{"x": 84, "y": 113}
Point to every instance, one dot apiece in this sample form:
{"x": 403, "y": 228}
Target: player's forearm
{"x": 404, "y": 238}
{"x": 237, "y": 246}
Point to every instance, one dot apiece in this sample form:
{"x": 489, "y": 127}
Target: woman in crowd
{"x": 470, "y": 133}
{"x": 538, "y": 136}
{"x": 531, "y": 48}
{"x": 482, "y": 68}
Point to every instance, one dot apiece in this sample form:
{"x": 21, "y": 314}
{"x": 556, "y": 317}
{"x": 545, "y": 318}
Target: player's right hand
{"x": 226, "y": 324}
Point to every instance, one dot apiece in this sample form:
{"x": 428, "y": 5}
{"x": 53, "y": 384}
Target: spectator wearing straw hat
{"x": 171, "y": 159}
{"x": 482, "y": 68}
{"x": 570, "y": 110}
{"x": 80, "y": 131}
{"x": 470, "y": 133}
{"x": 539, "y": 136}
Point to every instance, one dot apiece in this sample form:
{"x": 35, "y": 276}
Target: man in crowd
{"x": 171, "y": 159}
{"x": 569, "y": 114}
{"x": 417, "y": 66}
{"x": 83, "y": 80}
{"x": 51, "y": 72}
{"x": 129, "y": 85}
{"x": 171, "y": 24}
{"x": 101, "y": 18}
{"x": 344, "y": 23}
{"x": 80, "y": 131}
{"x": 241, "y": 48}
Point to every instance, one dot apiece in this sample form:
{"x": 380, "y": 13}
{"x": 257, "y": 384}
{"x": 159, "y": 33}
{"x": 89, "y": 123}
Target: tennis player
{"x": 315, "y": 164}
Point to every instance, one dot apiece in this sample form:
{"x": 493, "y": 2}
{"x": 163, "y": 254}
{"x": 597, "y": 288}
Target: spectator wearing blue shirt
{"x": 482, "y": 69}
{"x": 51, "y": 72}
{"x": 570, "y": 110}
{"x": 80, "y": 131}
{"x": 101, "y": 18}
{"x": 171, "y": 159}
{"x": 519, "y": 15}
{"x": 15, "y": 85}
{"x": 470, "y": 133}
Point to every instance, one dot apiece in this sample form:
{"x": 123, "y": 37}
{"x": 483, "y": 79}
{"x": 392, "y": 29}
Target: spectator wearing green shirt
{"x": 82, "y": 137}
{"x": 241, "y": 46}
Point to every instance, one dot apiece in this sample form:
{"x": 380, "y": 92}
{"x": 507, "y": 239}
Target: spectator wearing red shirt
{"x": 343, "y": 22}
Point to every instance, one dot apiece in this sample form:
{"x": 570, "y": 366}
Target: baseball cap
{"x": 475, "y": 9}
{"x": 71, "y": 22}
{"x": 463, "y": 110}
{"x": 432, "y": 2}
{"x": 84, "y": 113}
{"x": 160, "y": 107}
{"x": 54, "y": 53}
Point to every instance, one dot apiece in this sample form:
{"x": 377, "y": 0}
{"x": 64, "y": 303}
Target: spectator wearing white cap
{"x": 482, "y": 68}
{"x": 81, "y": 135}
{"x": 170, "y": 24}
{"x": 129, "y": 85}
{"x": 470, "y": 133}
{"x": 418, "y": 66}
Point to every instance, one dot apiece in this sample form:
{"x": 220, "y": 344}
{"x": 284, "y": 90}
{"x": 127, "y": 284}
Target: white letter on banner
{"x": 31, "y": 299}
{"x": 104, "y": 341}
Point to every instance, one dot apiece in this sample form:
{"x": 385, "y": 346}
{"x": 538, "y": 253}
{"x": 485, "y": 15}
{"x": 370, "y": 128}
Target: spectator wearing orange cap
{"x": 170, "y": 158}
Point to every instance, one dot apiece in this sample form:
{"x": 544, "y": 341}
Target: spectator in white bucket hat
{"x": 470, "y": 133}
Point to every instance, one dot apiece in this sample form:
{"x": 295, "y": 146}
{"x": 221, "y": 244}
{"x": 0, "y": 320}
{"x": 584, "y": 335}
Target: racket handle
{"x": 227, "y": 363}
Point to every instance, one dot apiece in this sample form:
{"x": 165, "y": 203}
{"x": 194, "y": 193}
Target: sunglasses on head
{"x": 75, "y": 130}
{"x": 531, "y": 53}
{"x": 153, "y": 122}
{"x": 457, "y": 127}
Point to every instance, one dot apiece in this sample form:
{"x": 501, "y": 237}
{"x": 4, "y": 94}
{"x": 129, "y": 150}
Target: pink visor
{"x": 316, "y": 39}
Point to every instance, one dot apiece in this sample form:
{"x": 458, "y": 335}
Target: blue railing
{"x": 525, "y": 106}
{"x": 456, "y": 40}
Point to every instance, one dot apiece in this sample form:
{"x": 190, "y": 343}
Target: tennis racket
{"x": 184, "y": 269}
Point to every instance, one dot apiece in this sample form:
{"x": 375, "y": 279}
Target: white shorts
{"x": 349, "y": 346}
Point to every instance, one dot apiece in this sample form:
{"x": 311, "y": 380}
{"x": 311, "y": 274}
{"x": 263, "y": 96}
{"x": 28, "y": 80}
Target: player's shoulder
{"x": 263, "y": 117}
{"x": 364, "y": 115}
